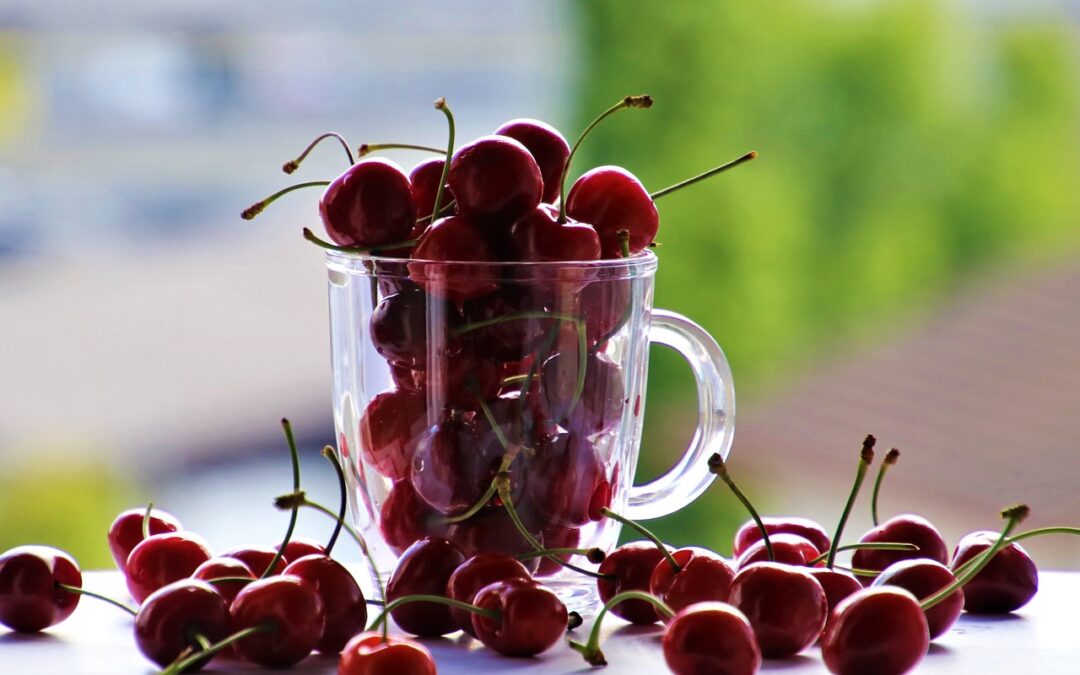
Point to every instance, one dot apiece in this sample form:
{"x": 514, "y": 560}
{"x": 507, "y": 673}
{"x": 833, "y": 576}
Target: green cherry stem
{"x": 1028, "y": 534}
{"x": 368, "y": 148}
{"x": 82, "y": 591}
{"x": 591, "y": 649}
{"x": 624, "y": 242}
{"x": 718, "y": 467}
{"x": 702, "y": 176}
{"x": 516, "y": 316}
{"x": 492, "y": 614}
{"x": 230, "y": 580}
{"x": 890, "y": 458}
{"x": 1013, "y": 516}
{"x": 866, "y": 456}
{"x": 857, "y": 571}
{"x": 594, "y": 555}
{"x": 322, "y": 243}
{"x": 260, "y": 206}
{"x": 644, "y": 101}
{"x": 645, "y": 532}
{"x": 294, "y": 459}
{"x": 331, "y": 456}
{"x": 442, "y": 106}
{"x": 146, "y": 520}
{"x": 294, "y": 164}
{"x": 868, "y": 546}
{"x": 185, "y": 663}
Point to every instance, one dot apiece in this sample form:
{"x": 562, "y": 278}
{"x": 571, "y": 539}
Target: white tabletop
{"x": 1043, "y": 637}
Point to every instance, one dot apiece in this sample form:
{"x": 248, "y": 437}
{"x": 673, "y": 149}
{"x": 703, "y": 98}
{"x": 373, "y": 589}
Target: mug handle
{"x": 716, "y": 419}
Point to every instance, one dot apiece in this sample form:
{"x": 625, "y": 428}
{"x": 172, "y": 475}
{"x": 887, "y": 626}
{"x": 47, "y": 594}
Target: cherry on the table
{"x": 162, "y": 559}
{"x": 629, "y": 568}
{"x": 711, "y": 637}
{"x": 126, "y": 531}
{"x": 703, "y": 576}
{"x": 785, "y": 605}
{"x": 30, "y": 599}
{"x": 1008, "y": 582}
{"x": 257, "y": 558}
{"x": 879, "y": 630}
{"x": 220, "y": 568}
{"x": 923, "y": 577}
{"x": 376, "y": 654}
{"x": 531, "y": 617}
{"x": 293, "y": 612}
{"x": 342, "y": 600}
{"x": 789, "y": 549}
{"x": 474, "y": 574}
{"x": 424, "y": 569}
{"x": 749, "y": 532}
{"x": 906, "y": 528}
{"x": 170, "y": 618}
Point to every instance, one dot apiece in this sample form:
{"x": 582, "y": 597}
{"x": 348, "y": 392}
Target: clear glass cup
{"x": 448, "y": 374}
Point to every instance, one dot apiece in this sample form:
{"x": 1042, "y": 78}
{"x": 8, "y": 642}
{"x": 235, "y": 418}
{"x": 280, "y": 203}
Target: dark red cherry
{"x": 399, "y": 328}
{"x": 879, "y": 630}
{"x": 171, "y": 617}
{"x": 368, "y": 205}
{"x": 836, "y": 583}
{"x": 557, "y": 536}
{"x": 922, "y": 578}
{"x": 538, "y": 236}
{"x": 629, "y": 568}
{"x": 405, "y": 517}
{"x": 342, "y": 600}
{"x": 532, "y": 618}
{"x": 548, "y": 148}
{"x": 564, "y": 476}
{"x": 126, "y": 531}
{"x": 476, "y": 572}
{"x": 711, "y": 637}
{"x": 424, "y": 179}
{"x": 785, "y": 605}
{"x": 390, "y": 428}
{"x": 505, "y": 334}
{"x": 442, "y": 257}
{"x": 374, "y": 654}
{"x": 298, "y": 547}
{"x": 293, "y": 612}
{"x": 459, "y": 381}
{"x": 804, "y": 527}
{"x": 424, "y": 569}
{"x": 789, "y": 549}
{"x": 453, "y": 464}
{"x": 219, "y": 568}
{"x": 611, "y": 199}
{"x": 162, "y": 559}
{"x": 703, "y": 577}
{"x": 30, "y": 600}
{"x": 1007, "y": 583}
{"x": 906, "y": 528}
{"x": 604, "y": 304}
{"x": 258, "y": 558}
{"x": 603, "y": 397}
{"x": 495, "y": 181}
{"x": 492, "y": 531}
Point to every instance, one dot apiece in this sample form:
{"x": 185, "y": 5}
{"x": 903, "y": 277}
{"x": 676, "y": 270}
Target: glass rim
{"x": 642, "y": 261}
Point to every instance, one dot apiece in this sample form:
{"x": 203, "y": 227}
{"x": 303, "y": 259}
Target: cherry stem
{"x": 866, "y": 456}
{"x": 260, "y": 206}
{"x": 492, "y": 614}
{"x": 230, "y": 580}
{"x": 203, "y": 642}
{"x": 890, "y": 458}
{"x": 1022, "y": 536}
{"x": 475, "y": 508}
{"x": 441, "y": 104}
{"x": 447, "y": 209}
{"x": 490, "y": 419}
{"x": 82, "y": 591}
{"x": 182, "y": 665}
{"x": 1013, "y": 516}
{"x": 294, "y": 458}
{"x": 644, "y": 101}
{"x": 867, "y": 546}
{"x": 517, "y": 316}
{"x": 146, "y": 520}
{"x": 702, "y": 176}
{"x": 646, "y": 532}
{"x": 331, "y": 456}
{"x": 368, "y": 148}
{"x": 294, "y": 164}
{"x": 594, "y": 555}
{"x": 624, "y": 242}
{"x": 591, "y": 649}
{"x": 856, "y": 571}
{"x": 583, "y": 363}
{"x": 718, "y": 467}
{"x": 322, "y": 243}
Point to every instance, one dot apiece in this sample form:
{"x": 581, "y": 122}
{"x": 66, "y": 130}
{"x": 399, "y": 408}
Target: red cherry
{"x": 548, "y": 148}
{"x": 511, "y": 338}
{"x": 390, "y": 429}
{"x": 126, "y": 531}
{"x": 454, "y": 463}
{"x": 785, "y": 605}
{"x": 1007, "y": 583}
{"x": 441, "y": 260}
{"x": 557, "y": 536}
{"x": 532, "y": 618}
{"x": 492, "y": 531}
{"x": 475, "y": 573}
{"x": 604, "y": 304}
{"x": 424, "y": 569}
{"x": 294, "y": 612}
{"x": 804, "y": 527}
{"x": 373, "y": 654}
{"x": 171, "y": 616}
{"x": 906, "y": 528}
{"x": 703, "y": 577}
{"x": 922, "y": 578}
{"x": 405, "y": 517}
{"x": 424, "y": 179}
{"x": 629, "y": 568}
{"x": 564, "y": 476}
{"x": 538, "y": 236}
{"x": 218, "y": 568}
{"x": 298, "y": 547}
{"x": 711, "y": 637}
{"x": 789, "y": 549}
{"x": 836, "y": 583}
{"x": 258, "y": 558}
{"x": 603, "y": 397}
{"x": 399, "y": 327}
{"x": 342, "y": 599}
{"x": 162, "y": 559}
{"x": 610, "y": 198}
{"x": 30, "y": 600}
{"x": 368, "y": 205}
{"x": 879, "y": 630}
{"x": 495, "y": 180}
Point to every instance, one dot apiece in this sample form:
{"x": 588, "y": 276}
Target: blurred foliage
{"x": 905, "y": 147}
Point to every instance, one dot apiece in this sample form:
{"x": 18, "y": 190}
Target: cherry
{"x": 629, "y": 568}
{"x": 1008, "y": 581}
{"x": 377, "y": 654}
{"x": 298, "y": 547}
{"x": 702, "y": 576}
{"x": 438, "y": 266}
{"x": 293, "y": 616}
{"x": 510, "y": 323}
{"x": 808, "y": 529}
{"x": 162, "y": 559}
{"x": 474, "y": 574}
{"x": 460, "y": 381}
{"x": 785, "y": 605}
{"x": 127, "y": 531}
{"x": 390, "y": 428}
{"x": 906, "y": 528}
{"x": 922, "y": 578}
{"x": 538, "y": 236}
{"x": 605, "y": 304}
{"x": 600, "y": 406}
{"x": 878, "y": 630}
{"x": 424, "y": 569}
{"x": 454, "y": 463}
{"x": 836, "y": 583}
{"x": 342, "y": 600}
{"x": 790, "y": 549}
{"x": 557, "y": 536}
{"x": 172, "y": 616}
{"x": 221, "y": 568}
{"x": 405, "y": 517}
{"x": 369, "y": 204}
{"x": 492, "y": 531}
{"x": 711, "y": 637}
{"x": 30, "y": 597}
{"x": 258, "y": 558}
{"x": 548, "y": 148}
{"x": 564, "y": 477}
{"x": 531, "y": 618}
{"x": 611, "y": 199}
{"x": 424, "y": 180}
{"x": 495, "y": 181}
{"x": 399, "y": 328}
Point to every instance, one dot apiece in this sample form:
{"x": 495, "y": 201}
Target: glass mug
{"x": 446, "y": 375}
